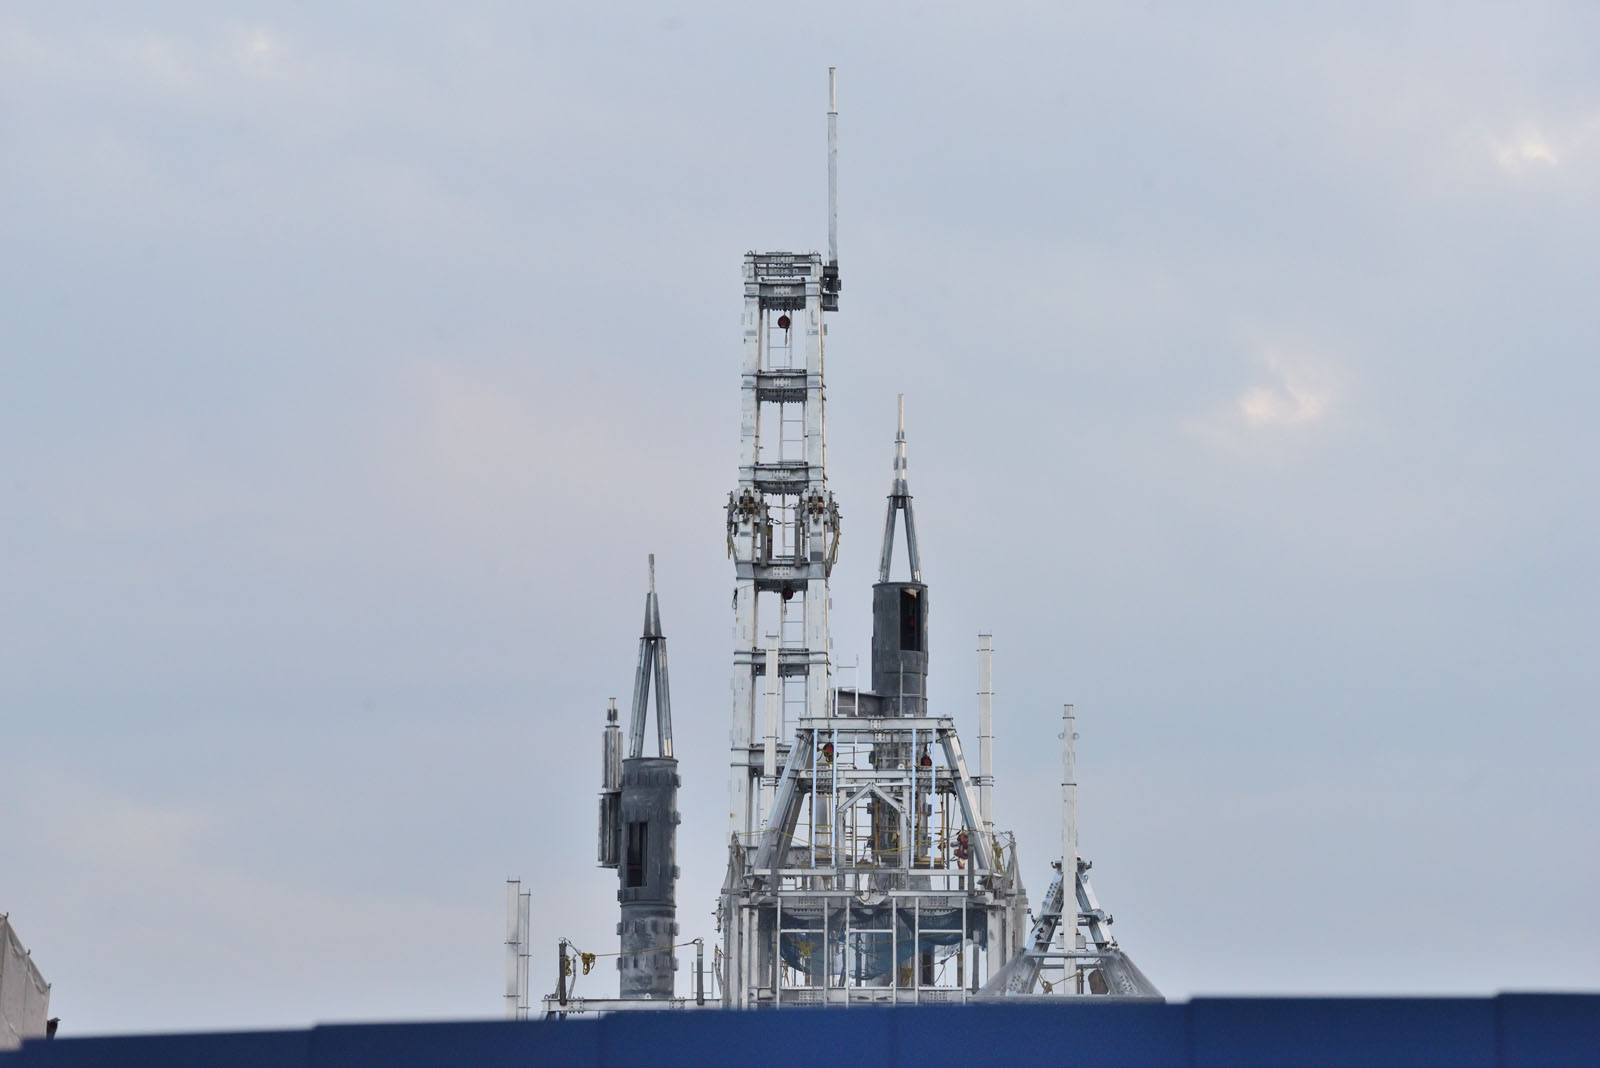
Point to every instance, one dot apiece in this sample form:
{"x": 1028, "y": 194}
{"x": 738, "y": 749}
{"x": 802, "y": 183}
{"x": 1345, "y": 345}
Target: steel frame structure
{"x": 874, "y": 881}
{"x": 864, "y": 862}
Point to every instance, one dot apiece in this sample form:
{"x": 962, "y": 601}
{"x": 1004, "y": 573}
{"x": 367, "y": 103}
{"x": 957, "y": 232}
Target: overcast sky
{"x": 353, "y": 358}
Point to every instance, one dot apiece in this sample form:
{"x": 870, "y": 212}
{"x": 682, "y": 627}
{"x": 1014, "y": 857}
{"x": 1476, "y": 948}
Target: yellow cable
{"x": 589, "y": 958}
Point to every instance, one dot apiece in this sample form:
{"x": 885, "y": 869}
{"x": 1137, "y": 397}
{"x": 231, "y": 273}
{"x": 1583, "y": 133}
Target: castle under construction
{"x": 865, "y": 865}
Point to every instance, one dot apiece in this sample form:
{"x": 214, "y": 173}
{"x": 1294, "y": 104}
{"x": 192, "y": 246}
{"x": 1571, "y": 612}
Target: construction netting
{"x": 860, "y": 944}
{"x": 24, "y": 995}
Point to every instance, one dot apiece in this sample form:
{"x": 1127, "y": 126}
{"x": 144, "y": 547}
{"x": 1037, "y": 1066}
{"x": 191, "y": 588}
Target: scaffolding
{"x": 874, "y": 881}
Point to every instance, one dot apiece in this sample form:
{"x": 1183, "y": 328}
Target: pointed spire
{"x": 652, "y": 662}
{"x": 899, "y": 488}
{"x": 652, "y": 607}
{"x": 899, "y": 501}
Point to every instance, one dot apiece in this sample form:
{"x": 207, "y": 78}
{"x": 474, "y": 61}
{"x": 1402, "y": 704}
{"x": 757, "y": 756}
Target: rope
{"x": 752, "y": 837}
{"x": 588, "y": 959}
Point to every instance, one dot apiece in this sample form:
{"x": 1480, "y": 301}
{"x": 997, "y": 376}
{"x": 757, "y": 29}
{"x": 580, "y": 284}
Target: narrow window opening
{"x": 638, "y": 840}
{"x": 911, "y": 621}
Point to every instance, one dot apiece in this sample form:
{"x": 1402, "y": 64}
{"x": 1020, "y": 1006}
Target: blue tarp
{"x": 1508, "y": 1031}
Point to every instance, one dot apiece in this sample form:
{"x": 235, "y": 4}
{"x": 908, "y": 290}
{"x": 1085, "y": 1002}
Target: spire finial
{"x": 899, "y": 489}
{"x": 899, "y": 500}
{"x": 652, "y": 662}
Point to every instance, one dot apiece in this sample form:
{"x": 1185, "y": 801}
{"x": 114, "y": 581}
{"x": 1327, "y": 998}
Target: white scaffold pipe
{"x": 769, "y": 740}
{"x": 524, "y": 936}
{"x": 986, "y": 731}
{"x": 513, "y": 946}
{"x": 1069, "y": 817}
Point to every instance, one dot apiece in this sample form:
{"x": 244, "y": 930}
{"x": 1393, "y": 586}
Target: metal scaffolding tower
{"x": 783, "y": 523}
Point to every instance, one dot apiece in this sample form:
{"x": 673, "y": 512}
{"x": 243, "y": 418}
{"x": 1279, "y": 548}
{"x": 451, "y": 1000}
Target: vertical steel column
{"x": 742, "y": 538}
{"x": 819, "y": 641}
{"x": 894, "y": 949}
{"x": 834, "y": 860}
{"x": 811, "y": 833}
{"x": 913, "y": 811}
{"x": 916, "y": 950}
{"x": 769, "y": 746}
{"x": 752, "y": 936}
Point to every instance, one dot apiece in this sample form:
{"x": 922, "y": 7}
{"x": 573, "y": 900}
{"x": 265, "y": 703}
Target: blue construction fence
{"x": 1507, "y": 1031}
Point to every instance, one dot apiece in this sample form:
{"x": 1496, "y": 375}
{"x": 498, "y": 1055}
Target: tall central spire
{"x": 900, "y": 607}
{"x": 899, "y": 501}
{"x": 783, "y": 521}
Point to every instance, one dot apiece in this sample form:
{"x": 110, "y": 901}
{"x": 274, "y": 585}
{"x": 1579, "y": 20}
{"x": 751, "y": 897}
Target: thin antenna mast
{"x": 833, "y": 171}
{"x": 830, "y": 270}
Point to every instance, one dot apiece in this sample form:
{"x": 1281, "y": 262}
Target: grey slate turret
{"x": 647, "y": 827}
